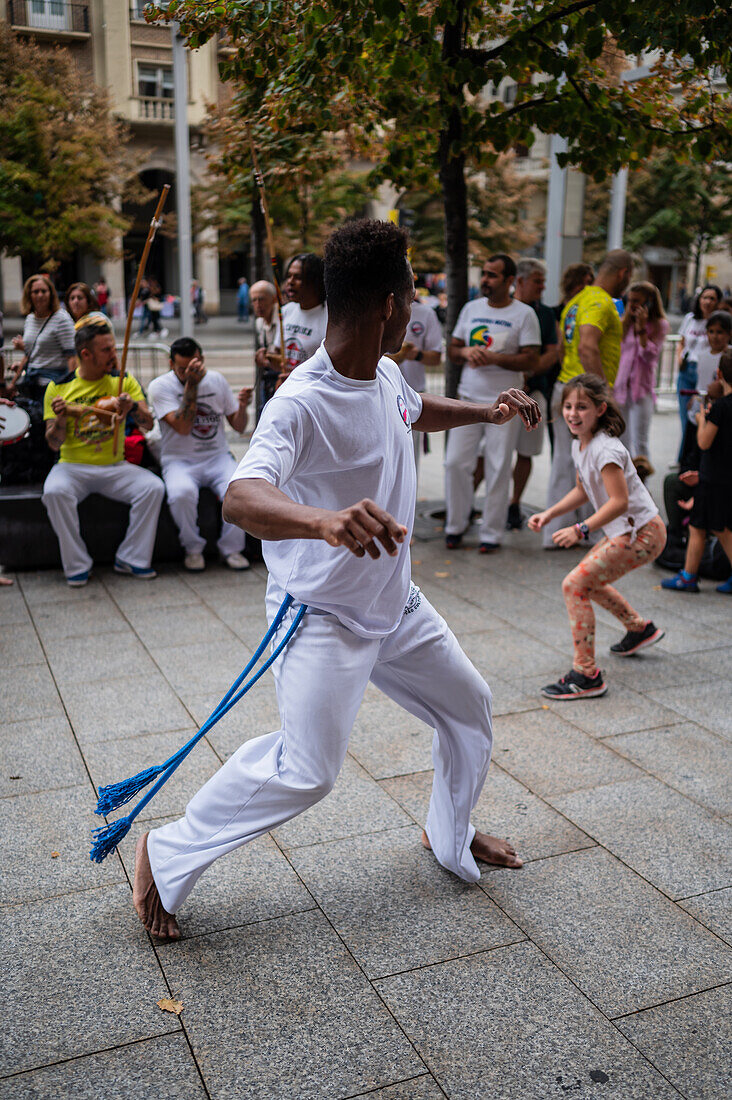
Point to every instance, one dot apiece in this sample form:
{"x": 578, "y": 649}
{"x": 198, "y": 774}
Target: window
{"x": 154, "y": 81}
{"x": 47, "y": 14}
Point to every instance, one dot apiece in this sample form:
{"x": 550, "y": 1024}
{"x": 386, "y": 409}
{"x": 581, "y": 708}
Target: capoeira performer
{"x": 329, "y": 485}
{"x": 190, "y": 403}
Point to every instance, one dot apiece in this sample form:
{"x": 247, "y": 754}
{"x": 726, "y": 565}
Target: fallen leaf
{"x": 415, "y": 561}
{"x": 442, "y": 574}
{"x": 545, "y": 706}
{"x": 16, "y": 776}
{"x": 169, "y": 1005}
{"x": 54, "y": 855}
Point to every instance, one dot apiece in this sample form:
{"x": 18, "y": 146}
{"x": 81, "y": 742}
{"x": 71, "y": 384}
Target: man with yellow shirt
{"x": 590, "y": 332}
{"x": 89, "y": 462}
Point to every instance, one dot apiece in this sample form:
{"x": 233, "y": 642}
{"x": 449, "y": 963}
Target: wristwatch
{"x": 583, "y": 530}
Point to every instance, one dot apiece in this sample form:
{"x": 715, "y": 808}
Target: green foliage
{"x": 62, "y": 157}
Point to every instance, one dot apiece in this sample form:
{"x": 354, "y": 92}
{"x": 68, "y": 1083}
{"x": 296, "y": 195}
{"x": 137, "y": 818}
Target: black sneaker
{"x": 514, "y": 519}
{"x": 452, "y": 542}
{"x": 575, "y": 685}
{"x": 638, "y": 639}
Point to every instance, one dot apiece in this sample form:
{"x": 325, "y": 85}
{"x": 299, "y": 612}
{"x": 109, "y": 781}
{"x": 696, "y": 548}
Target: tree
{"x": 415, "y": 72}
{"x": 62, "y": 157}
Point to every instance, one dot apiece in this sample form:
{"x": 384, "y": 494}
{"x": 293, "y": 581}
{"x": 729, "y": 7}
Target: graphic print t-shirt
{"x": 504, "y": 330}
{"x": 89, "y": 438}
{"x": 592, "y": 306}
{"x": 214, "y": 401}
{"x": 304, "y": 332}
{"x": 329, "y": 441}
{"x": 425, "y": 333}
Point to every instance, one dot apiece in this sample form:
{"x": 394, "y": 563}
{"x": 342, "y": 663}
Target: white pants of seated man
{"x": 563, "y": 476}
{"x": 320, "y": 680}
{"x": 69, "y": 483}
{"x": 463, "y": 446}
{"x": 183, "y": 480}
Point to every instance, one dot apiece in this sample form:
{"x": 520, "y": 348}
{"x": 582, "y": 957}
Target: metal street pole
{"x": 182, "y": 181}
{"x": 616, "y": 221}
{"x": 553, "y": 251}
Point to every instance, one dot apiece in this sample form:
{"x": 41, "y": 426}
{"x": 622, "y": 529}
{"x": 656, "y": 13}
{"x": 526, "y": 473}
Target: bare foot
{"x": 488, "y": 849}
{"x": 146, "y": 898}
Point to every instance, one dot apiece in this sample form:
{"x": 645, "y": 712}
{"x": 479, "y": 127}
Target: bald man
{"x": 263, "y": 300}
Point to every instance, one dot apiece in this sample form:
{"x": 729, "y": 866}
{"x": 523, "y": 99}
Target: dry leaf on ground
{"x": 169, "y": 1005}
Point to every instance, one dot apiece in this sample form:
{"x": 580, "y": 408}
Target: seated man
{"x": 190, "y": 404}
{"x": 80, "y": 412}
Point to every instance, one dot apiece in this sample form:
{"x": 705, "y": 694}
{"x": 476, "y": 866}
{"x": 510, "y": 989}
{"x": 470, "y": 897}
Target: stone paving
{"x": 335, "y": 958}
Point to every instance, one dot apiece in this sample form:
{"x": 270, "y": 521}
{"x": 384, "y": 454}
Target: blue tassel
{"x": 117, "y": 794}
{"x": 107, "y": 837}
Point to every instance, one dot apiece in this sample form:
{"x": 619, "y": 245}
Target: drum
{"x": 14, "y": 424}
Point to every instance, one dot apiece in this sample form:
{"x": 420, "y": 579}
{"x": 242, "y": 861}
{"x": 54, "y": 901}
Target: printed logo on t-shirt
{"x": 206, "y": 423}
{"x": 294, "y": 352}
{"x": 403, "y": 412}
{"x": 482, "y": 336}
{"x": 570, "y": 323}
{"x": 417, "y": 328}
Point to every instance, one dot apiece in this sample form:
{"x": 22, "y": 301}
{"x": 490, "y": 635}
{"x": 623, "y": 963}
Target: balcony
{"x": 155, "y": 108}
{"x": 50, "y": 18}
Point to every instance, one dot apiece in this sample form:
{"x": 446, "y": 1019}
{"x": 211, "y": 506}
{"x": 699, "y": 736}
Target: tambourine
{"x": 14, "y": 424}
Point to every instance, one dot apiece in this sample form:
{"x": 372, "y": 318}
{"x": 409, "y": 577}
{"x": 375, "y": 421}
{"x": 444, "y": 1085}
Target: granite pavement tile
{"x": 714, "y": 910}
{"x": 394, "y": 906}
{"x": 85, "y": 618}
{"x": 387, "y": 740}
{"x": 113, "y": 761}
{"x": 686, "y": 757}
{"x": 90, "y": 985}
{"x": 111, "y": 709}
{"x": 15, "y": 611}
{"x": 39, "y": 755}
{"x": 253, "y": 883}
{"x": 176, "y": 626}
{"x": 255, "y": 714}
{"x": 698, "y": 703}
{"x": 549, "y": 756}
{"x": 281, "y": 1010}
{"x": 624, "y": 944}
{"x": 688, "y": 1042}
{"x": 203, "y": 666}
{"x": 511, "y": 654}
{"x": 552, "y": 1043}
{"x": 513, "y": 696}
{"x": 675, "y": 844}
{"x": 32, "y": 827}
{"x": 49, "y": 586}
{"x": 694, "y": 637}
{"x": 89, "y": 658}
{"x": 505, "y": 808}
{"x": 417, "y": 1088}
{"x": 622, "y": 710}
{"x": 165, "y": 590}
{"x": 31, "y": 694}
{"x": 357, "y": 805}
{"x": 162, "y": 1067}
{"x": 654, "y": 669}
{"x": 20, "y": 646}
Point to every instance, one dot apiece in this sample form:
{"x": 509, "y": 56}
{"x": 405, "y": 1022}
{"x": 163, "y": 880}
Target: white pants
{"x": 563, "y": 475}
{"x": 638, "y": 416}
{"x": 183, "y": 480}
{"x": 463, "y": 447}
{"x": 320, "y": 680}
{"x": 69, "y": 483}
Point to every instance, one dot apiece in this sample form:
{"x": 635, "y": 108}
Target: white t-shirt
{"x": 328, "y": 442}
{"x": 425, "y": 333}
{"x": 214, "y": 401}
{"x": 304, "y": 332}
{"x": 695, "y": 336}
{"x": 707, "y": 363}
{"x": 602, "y": 450}
{"x": 501, "y": 330}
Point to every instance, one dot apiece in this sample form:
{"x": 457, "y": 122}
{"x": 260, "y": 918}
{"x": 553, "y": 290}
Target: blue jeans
{"x": 686, "y": 381}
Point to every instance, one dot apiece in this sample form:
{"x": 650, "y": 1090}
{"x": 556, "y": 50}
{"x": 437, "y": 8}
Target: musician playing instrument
{"x": 81, "y": 413}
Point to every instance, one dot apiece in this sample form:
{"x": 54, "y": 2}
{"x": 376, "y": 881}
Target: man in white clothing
{"x": 422, "y": 348}
{"x": 338, "y": 432}
{"x": 190, "y": 403}
{"x": 305, "y": 315}
{"x": 497, "y": 340}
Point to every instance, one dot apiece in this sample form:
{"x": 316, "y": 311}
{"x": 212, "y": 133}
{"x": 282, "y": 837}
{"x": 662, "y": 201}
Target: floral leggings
{"x": 590, "y": 580}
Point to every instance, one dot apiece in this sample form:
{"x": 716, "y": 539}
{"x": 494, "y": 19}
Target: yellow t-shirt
{"x": 592, "y": 306}
{"x": 89, "y": 439}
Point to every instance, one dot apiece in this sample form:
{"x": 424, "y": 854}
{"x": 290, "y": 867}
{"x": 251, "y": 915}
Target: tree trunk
{"x": 455, "y": 200}
{"x": 260, "y": 267}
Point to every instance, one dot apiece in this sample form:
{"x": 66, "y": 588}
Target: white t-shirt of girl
{"x": 304, "y": 332}
{"x": 602, "y": 450}
{"x": 329, "y": 442}
{"x": 695, "y": 336}
{"x": 214, "y": 401}
{"x": 707, "y": 364}
{"x": 425, "y": 333}
{"x": 504, "y": 330}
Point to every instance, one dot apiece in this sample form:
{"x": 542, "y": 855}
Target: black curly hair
{"x": 365, "y": 261}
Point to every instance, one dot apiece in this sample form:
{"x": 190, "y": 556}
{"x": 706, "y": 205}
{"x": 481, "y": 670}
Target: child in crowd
{"x": 634, "y": 533}
{"x": 719, "y": 332}
{"x": 712, "y": 508}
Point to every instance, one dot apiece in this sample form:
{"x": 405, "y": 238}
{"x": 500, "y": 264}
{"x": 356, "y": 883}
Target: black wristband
{"x": 419, "y": 356}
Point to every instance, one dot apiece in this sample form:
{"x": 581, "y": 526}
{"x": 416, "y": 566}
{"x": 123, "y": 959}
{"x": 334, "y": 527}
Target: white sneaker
{"x": 236, "y": 561}
{"x": 163, "y": 333}
{"x": 194, "y": 563}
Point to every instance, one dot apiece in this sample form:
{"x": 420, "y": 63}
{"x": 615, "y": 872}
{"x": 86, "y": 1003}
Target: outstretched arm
{"x": 266, "y": 512}
{"x": 441, "y": 413}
